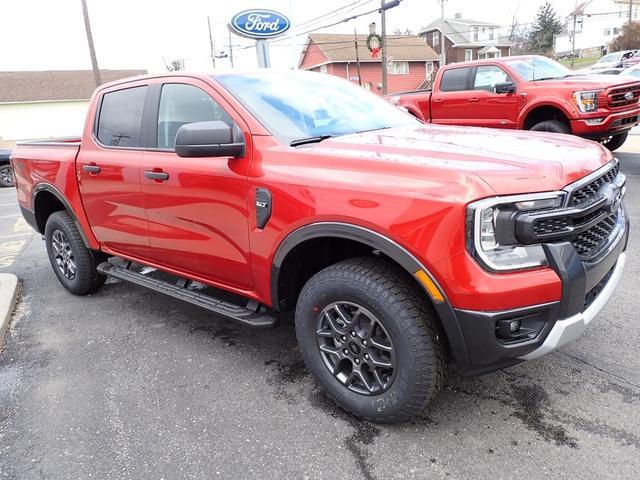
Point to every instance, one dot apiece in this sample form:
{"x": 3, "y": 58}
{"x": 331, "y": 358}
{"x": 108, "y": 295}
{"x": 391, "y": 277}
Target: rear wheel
{"x": 6, "y": 176}
{"x": 73, "y": 263}
{"x": 615, "y": 141}
{"x": 370, "y": 339}
{"x": 553, "y": 126}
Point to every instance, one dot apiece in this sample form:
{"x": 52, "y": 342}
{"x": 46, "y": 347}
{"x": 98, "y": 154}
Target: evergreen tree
{"x": 544, "y": 28}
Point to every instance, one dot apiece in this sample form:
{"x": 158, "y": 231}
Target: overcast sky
{"x": 49, "y": 34}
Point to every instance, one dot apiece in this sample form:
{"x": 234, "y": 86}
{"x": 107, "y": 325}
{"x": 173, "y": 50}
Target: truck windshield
{"x": 304, "y": 107}
{"x": 538, "y": 68}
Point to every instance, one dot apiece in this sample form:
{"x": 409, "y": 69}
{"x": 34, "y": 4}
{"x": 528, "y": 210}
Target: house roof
{"x": 54, "y": 85}
{"x": 582, "y": 6}
{"x": 339, "y": 48}
{"x": 459, "y": 31}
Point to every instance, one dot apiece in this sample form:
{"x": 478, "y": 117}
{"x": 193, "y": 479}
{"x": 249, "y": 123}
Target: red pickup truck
{"x": 529, "y": 93}
{"x": 398, "y": 245}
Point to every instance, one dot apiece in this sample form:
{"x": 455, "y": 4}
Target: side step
{"x": 246, "y": 315}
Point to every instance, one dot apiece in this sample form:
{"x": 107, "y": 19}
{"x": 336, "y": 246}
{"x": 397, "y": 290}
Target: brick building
{"x": 466, "y": 39}
{"x": 409, "y": 59}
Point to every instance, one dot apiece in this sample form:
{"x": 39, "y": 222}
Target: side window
{"x": 181, "y": 104}
{"x": 488, "y": 75}
{"x": 120, "y": 119}
{"x": 454, "y": 80}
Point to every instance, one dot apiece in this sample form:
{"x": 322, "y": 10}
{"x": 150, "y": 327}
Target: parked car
{"x": 6, "y": 175}
{"x": 632, "y": 60}
{"x": 397, "y": 244}
{"x": 528, "y": 93}
{"x": 613, "y": 60}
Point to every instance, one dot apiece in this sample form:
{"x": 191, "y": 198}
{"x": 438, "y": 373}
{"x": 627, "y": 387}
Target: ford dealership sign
{"x": 259, "y": 23}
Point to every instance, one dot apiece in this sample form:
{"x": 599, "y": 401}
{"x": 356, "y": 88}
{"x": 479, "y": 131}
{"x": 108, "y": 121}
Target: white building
{"x": 45, "y": 104}
{"x": 598, "y": 22}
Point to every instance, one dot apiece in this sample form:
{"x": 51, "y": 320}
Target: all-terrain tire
{"x": 553, "y": 126}
{"x": 64, "y": 243}
{"x": 383, "y": 290}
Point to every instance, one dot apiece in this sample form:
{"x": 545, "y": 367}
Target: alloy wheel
{"x": 63, "y": 254}
{"x": 356, "y": 348}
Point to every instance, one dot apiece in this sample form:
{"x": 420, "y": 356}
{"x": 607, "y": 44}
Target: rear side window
{"x": 181, "y": 104}
{"x": 454, "y": 80}
{"x": 120, "y": 120}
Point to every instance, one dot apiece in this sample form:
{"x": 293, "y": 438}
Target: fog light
{"x": 508, "y": 329}
{"x": 514, "y": 326}
{"x": 594, "y": 121}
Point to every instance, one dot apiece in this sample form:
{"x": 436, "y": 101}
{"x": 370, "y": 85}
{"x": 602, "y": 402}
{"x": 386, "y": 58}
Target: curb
{"x": 8, "y": 295}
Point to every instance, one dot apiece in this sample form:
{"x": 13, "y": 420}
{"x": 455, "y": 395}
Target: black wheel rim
{"x": 63, "y": 254}
{"x": 356, "y": 348}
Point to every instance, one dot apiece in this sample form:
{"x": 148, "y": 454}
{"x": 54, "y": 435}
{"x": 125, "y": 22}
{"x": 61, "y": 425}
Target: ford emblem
{"x": 259, "y": 24}
{"x": 628, "y": 96}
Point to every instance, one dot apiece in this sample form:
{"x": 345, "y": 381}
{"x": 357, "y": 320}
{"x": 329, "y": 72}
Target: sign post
{"x": 259, "y": 24}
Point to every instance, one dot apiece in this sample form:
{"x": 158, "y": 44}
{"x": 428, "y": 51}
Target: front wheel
{"x": 370, "y": 339}
{"x": 73, "y": 263}
{"x": 615, "y": 141}
{"x": 553, "y": 126}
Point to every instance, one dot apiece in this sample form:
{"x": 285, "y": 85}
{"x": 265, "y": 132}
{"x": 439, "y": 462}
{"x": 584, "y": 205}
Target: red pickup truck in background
{"x": 397, "y": 244}
{"x": 528, "y": 93}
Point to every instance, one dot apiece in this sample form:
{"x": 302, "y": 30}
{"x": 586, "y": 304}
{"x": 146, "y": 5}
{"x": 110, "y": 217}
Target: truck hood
{"x": 509, "y": 162}
{"x": 587, "y": 81}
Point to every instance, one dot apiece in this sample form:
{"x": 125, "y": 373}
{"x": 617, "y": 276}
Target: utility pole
{"x": 443, "y": 49}
{"x": 630, "y": 10}
{"x": 92, "y": 50}
{"x": 384, "y": 47}
{"x": 230, "y": 49}
{"x": 355, "y": 41}
{"x": 213, "y": 50}
{"x": 573, "y": 39}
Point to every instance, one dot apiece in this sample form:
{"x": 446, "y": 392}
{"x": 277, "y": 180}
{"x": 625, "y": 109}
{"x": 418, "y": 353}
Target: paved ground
{"x": 131, "y": 384}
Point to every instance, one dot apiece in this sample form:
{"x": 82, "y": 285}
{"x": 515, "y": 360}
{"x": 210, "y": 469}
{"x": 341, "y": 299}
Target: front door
{"x": 198, "y": 221}
{"x": 108, "y": 170}
{"x": 450, "y": 100}
{"x": 491, "y": 109}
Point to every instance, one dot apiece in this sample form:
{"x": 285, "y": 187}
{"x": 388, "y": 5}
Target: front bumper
{"x": 586, "y": 288}
{"x": 611, "y": 124}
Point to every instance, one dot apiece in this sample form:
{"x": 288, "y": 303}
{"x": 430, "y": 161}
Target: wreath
{"x": 374, "y": 44}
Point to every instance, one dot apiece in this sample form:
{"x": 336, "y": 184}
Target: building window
{"x": 429, "y": 67}
{"x": 468, "y": 55}
{"x": 475, "y": 34}
{"x": 616, "y": 31}
{"x": 323, "y": 69}
{"x": 400, "y": 68}
{"x": 436, "y": 39}
{"x": 491, "y": 34}
{"x": 607, "y": 32}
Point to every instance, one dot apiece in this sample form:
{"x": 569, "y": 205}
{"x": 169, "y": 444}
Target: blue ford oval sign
{"x": 259, "y": 23}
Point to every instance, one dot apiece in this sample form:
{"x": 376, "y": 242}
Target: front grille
{"x": 589, "y": 192}
{"x": 621, "y": 122}
{"x": 597, "y": 289}
{"x": 617, "y": 96}
{"x": 590, "y": 242}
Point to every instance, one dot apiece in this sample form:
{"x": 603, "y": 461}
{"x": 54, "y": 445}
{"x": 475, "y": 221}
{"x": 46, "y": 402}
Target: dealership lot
{"x": 127, "y": 383}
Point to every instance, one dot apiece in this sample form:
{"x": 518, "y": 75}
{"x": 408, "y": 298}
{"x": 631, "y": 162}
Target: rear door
{"x": 108, "y": 170}
{"x": 198, "y": 219}
{"x": 491, "y": 109}
{"x": 453, "y": 97}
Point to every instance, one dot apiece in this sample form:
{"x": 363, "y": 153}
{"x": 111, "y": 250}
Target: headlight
{"x": 491, "y": 231}
{"x": 587, "y": 101}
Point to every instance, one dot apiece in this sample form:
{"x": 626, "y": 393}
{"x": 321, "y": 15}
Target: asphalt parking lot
{"x": 127, "y": 383}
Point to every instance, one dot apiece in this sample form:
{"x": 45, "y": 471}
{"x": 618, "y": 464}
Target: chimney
{"x": 372, "y": 27}
{"x": 458, "y": 16}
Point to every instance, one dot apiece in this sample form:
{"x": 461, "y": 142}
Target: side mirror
{"x": 209, "y": 139}
{"x": 507, "y": 87}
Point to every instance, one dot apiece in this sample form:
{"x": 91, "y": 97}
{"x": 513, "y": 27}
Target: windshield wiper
{"x": 372, "y": 129}
{"x": 552, "y": 78}
{"x": 303, "y": 141}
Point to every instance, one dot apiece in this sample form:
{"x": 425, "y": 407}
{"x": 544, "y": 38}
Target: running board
{"x": 253, "y": 317}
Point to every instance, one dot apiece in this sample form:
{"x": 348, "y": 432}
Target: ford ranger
{"x": 399, "y": 246}
{"x": 529, "y": 93}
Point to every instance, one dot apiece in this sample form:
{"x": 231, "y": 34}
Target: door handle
{"x": 437, "y": 100}
{"x": 473, "y": 99}
{"x": 91, "y": 168}
{"x": 158, "y": 176}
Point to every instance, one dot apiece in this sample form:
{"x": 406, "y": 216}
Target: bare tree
{"x": 92, "y": 50}
{"x": 175, "y": 65}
